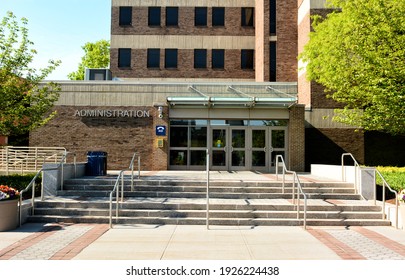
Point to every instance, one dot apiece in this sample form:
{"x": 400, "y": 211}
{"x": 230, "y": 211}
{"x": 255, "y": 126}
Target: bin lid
{"x": 96, "y": 153}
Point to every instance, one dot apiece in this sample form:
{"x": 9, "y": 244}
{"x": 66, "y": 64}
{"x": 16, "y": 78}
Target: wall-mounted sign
{"x": 160, "y": 130}
{"x": 112, "y": 113}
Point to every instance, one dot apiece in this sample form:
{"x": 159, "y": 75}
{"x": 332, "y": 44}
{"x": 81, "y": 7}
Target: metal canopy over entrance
{"x": 268, "y": 95}
{"x": 243, "y": 126}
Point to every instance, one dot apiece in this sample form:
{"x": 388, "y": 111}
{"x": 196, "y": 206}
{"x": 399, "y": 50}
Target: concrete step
{"x": 235, "y": 214}
{"x": 214, "y": 221}
{"x": 226, "y": 195}
{"x": 203, "y": 189}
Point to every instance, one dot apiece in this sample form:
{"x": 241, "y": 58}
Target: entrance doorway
{"x": 233, "y": 145}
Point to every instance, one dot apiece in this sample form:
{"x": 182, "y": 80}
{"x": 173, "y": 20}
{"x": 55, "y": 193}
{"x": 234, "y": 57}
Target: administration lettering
{"x": 112, "y": 113}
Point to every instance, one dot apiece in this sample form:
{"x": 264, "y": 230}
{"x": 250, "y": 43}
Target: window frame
{"x": 214, "y": 56}
{"x": 175, "y": 11}
{"x": 204, "y": 21}
{"x": 200, "y": 55}
{"x": 247, "y": 59}
{"x": 215, "y": 10}
{"x": 153, "y": 58}
{"x": 244, "y": 22}
{"x": 128, "y": 52}
{"x": 152, "y": 21}
{"x": 168, "y": 54}
{"x": 124, "y": 13}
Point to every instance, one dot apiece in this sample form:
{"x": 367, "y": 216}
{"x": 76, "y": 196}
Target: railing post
{"x": 33, "y": 197}
{"x": 383, "y": 199}
{"x": 208, "y": 189}
{"x": 139, "y": 166}
{"x": 122, "y": 186}
{"x": 110, "y": 218}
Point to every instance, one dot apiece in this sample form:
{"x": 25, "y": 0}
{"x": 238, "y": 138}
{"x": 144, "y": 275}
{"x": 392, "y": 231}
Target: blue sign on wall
{"x": 160, "y": 130}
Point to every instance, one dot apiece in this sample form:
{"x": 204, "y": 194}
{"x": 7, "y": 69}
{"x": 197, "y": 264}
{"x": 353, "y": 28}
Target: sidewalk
{"x": 171, "y": 242}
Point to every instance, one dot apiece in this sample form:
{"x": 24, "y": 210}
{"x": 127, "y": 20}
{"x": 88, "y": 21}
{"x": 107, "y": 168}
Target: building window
{"x": 125, "y": 16}
{"x": 247, "y": 59}
{"x": 273, "y": 61}
{"x": 124, "y": 58}
{"x": 200, "y": 59}
{"x": 273, "y": 17}
{"x": 171, "y": 58}
{"x": 200, "y": 16}
{"x": 154, "y": 16}
{"x": 153, "y": 58}
{"x": 218, "y": 59}
{"x": 247, "y": 16}
{"x": 218, "y": 16}
{"x": 172, "y": 16}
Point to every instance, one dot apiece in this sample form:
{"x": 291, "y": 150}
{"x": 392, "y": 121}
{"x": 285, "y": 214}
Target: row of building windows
{"x": 200, "y": 16}
{"x": 200, "y": 58}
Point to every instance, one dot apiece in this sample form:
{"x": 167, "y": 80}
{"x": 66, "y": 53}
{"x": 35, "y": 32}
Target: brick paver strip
{"x": 19, "y": 246}
{"x": 74, "y": 248}
{"x": 340, "y": 248}
{"x": 384, "y": 241}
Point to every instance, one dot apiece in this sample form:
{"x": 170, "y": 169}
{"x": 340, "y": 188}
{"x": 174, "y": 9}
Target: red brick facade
{"x": 119, "y": 137}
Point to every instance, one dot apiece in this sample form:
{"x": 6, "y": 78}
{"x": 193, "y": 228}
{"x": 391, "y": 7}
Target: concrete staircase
{"x": 174, "y": 201}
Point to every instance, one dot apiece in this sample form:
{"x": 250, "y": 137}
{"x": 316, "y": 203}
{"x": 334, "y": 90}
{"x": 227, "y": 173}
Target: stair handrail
{"x": 383, "y": 197}
{"x": 116, "y": 189}
{"x": 32, "y": 184}
{"x": 296, "y": 182}
{"x": 356, "y": 173}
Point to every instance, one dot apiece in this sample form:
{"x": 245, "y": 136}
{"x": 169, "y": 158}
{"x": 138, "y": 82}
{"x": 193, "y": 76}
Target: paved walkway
{"x": 171, "y": 242}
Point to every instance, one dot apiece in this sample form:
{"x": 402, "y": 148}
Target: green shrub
{"x": 395, "y": 177}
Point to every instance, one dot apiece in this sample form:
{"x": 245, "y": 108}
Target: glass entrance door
{"x": 219, "y": 148}
{"x": 238, "y": 148}
{"x": 266, "y": 144}
{"x": 228, "y": 146}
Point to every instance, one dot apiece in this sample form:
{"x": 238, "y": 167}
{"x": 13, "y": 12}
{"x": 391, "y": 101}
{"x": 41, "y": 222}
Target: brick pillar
{"x": 3, "y": 140}
{"x": 160, "y": 154}
{"x": 296, "y": 138}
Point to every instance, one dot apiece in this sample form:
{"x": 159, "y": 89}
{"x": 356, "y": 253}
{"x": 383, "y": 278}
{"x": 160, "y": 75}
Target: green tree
{"x": 97, "y": 55}
{"x": 358, "y": 54}
{"x": 25, "y": 101}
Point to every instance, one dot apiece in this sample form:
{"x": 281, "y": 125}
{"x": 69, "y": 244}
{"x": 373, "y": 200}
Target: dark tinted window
{"x": 200, "y": 58}
{"x": 247, "y": 16}
{"x": 200, "y": 18}
{"x": 273, "y": 61}
{"x": 154, "y": 16}
{"x": 172, "y": 16}
{"x": 247, "y": 59}
{"x": 218, "y": 59}
{"x": 153, "y": 58}
{"x": 125, "y": 16}
{"x": 171, "y": 58}
{"x": 218, "y": 16}
{"x": 124, "y": 57}
{"x": 273, "y": 16}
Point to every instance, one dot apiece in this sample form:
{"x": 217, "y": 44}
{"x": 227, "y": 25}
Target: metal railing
{"x": 28, "y": 159}
{"x": 296, "y": 194}
{"x": 32, "y": 184}
{"x": 358, "y": 187}
{"x": 116, "y": 189}
{"x": 385, "y": 184}
{"x": 208, "y": 188}
{"x": 356, "y": 171}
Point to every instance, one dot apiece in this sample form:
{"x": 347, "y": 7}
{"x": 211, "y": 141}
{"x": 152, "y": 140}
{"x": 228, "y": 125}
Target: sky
{"x": 59, "y": 29}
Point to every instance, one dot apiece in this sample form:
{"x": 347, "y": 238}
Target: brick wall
{"x": 119, "y": 137}
{"x": 296, "y": 141}
{"x": 287, "y": 41}
{"x": 185, "y": 66}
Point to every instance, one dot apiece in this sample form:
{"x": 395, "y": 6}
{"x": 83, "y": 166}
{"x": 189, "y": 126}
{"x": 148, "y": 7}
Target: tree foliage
{"x": 97, "y": 55}
{"x": 358, "y": 54}
{"x": 25, "y": 101}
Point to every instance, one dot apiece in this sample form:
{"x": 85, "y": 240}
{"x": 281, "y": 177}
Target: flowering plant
{"x": 401, "y": 196}
{"x": 7, "y": 193}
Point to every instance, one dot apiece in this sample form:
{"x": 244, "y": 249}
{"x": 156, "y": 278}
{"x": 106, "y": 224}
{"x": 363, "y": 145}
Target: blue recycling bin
{"x": 96, "y": 163}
